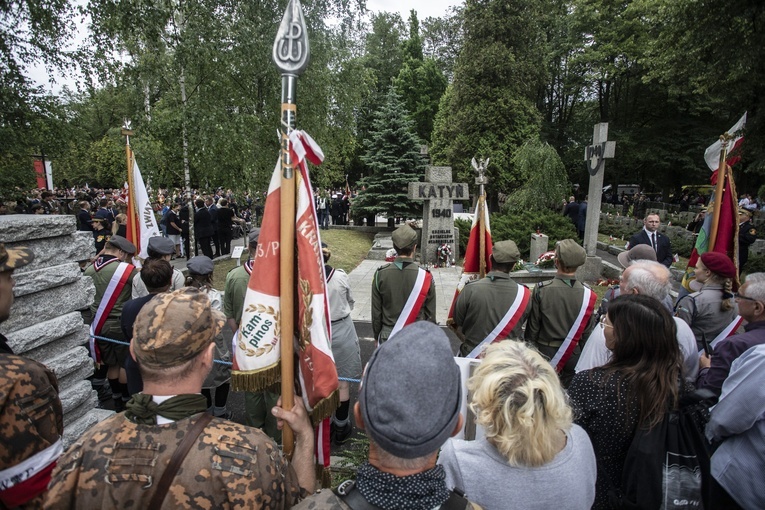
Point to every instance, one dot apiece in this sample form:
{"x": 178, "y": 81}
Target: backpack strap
{"x": 177, "y": 459}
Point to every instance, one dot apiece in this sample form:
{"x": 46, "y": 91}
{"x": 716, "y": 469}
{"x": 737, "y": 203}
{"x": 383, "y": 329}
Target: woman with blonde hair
{"x": 120, "y": 225}
{"x": 531, "y": 456}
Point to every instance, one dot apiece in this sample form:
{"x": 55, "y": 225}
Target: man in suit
{"x": 650, "y": 235}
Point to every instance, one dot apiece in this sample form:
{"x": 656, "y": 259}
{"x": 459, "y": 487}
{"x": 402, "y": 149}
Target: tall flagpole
{"x": 127, "y": 133}
{"x": 722, "y": 174}
{"x": 290, "y": 54}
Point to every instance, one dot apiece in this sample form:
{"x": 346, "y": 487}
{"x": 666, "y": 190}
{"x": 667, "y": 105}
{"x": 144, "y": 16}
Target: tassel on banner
{"x": 324, "y": 408}
{"x": 324, "y": 476}
{"x": 256, "y": 381}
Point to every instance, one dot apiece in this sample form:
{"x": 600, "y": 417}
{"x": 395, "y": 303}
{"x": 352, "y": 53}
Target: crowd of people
{"x": 561, "y": 392}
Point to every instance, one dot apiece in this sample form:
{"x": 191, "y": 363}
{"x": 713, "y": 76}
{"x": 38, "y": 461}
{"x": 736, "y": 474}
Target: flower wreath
{"x": 444, "y": 255}
{"x": 546, "y": 260}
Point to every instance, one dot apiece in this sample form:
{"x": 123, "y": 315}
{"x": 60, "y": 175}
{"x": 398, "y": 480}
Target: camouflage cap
{"x": 570, "y": 253}
{"x": 174, "y": 327}
{"x": 14, "y": 258}
{"x": 404, "y": 237}
{"x": 506, "y": 252}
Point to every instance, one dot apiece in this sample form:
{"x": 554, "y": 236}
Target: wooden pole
{"x": 127, "y": 132}
{"x": 722, "y": 173}
{"x": 290, "y": 54}
{"x": 482, "y": 229}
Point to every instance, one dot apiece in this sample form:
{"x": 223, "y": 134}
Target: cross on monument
{"x": 595, "y": 155}
{"x": 438, "y": 193}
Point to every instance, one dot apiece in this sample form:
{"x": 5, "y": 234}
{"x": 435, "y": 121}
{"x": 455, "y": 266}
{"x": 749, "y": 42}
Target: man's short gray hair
{"x": 649, "y": 278}
{"x": 755, "y": 286}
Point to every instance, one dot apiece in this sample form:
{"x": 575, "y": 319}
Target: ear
{"x": 357, "y": 416}
{"x": 209, "y": 355}
{"x": 458, "y": 427}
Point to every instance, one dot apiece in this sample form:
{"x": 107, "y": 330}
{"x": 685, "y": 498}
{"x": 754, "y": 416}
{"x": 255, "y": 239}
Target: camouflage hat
{"x": 404, "y": 237}
{"x": 14, "y": 258}
{"x": 570, "y": 253}
{"x": 123, "y": 244}
{"x": 174, "y": 327}
{"x": 506, "y": 252}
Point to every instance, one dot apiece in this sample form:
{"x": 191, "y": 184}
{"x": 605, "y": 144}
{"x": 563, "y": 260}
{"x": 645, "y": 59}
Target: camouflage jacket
{"x": 31, "y": 424}
{"x": 118, "y": 464}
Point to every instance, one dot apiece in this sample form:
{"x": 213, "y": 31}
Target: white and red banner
{"x": 729, "y": 330}
{"x": 414, "y": 302}
{"x": 508, "y": 322}
{"x": 575, "y": 333}
{"x": 24, "y": 481}
{"x": 712, "y": 154}
{"x": 471, "y": 268}
{"x": 140, "y": 215}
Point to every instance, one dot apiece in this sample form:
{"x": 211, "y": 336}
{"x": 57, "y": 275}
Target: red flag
{"x": 471, "y": 269}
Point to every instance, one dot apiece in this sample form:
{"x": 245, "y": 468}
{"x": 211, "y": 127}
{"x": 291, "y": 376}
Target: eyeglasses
{"x": 744, "y": 298}
{"x": 603, "y": 323}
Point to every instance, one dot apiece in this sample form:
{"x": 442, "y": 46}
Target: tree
{"x": 392, "y": 155}
{"x": 442, "y": 39}
{"x": 547, "y": 183}
{"x": 490, "y": 109}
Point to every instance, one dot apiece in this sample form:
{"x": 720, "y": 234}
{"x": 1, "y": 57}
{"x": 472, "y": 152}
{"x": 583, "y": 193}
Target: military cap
{"x": 742, "y": 210}
{"x": 123, "y": 244}
{"x": 14, "y": 258}
{"x": 200, "y": 265}
{"x": 404, "y": 237}
{"x": 639, "y": 252}
{"x": 506, "y": 252}
{"x": 253, "y": 237}
{"x": 570, "y": 253}
{"x": 719, "y": 263}
{"x": 174, "y": 327}
{"x": 410, "y": 392}
{"x": 161, "y": 245}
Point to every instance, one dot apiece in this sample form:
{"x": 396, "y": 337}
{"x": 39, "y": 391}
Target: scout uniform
{"x": 257, "y": 405}
{"x": 102, "y": 271}
{"x": 562, "y": 313}
{"x": 747, "y": 235}
{"x": 393, "y": 286}
{"x": 482, "y": 305}
{"x": 31, "y": 417}
{"x": 161, "y": 246}
{"x": 123, "y": 458}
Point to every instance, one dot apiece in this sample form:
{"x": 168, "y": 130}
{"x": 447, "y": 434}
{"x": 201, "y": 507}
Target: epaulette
{"x": 384, "y": 266}
{"x": 542, "y": 284}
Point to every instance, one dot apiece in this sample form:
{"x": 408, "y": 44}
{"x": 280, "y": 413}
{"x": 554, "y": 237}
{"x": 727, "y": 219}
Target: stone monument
{"x": 45, "y": 323}
{"x": 595, "y": 156}
{"x": 438, "y": 193}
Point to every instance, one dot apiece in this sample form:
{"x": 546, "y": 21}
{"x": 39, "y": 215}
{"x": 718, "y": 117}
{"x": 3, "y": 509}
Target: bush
{"x": 519, "y": 227}
{"x": 464, "y": 227}
{"x": 755, "y": 264}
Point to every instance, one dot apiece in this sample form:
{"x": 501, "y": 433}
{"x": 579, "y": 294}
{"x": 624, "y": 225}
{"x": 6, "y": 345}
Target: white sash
{"x": 575, "y": 333}
{"x": 113, "y": 290}
{"x": 413, "y": 303}
{"x": 507, "y": 323}
{"x": 725, "y": 333}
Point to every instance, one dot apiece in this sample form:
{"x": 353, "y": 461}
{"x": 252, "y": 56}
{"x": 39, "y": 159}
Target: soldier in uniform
{"x": 483, "y": 304}
{"x": 562, "y": 311}
{"x": 31, "y": 417}
{"x": 395, "y": 283}
{"x": 228, "y": 465}
{"x": 256, "y": 404}
{"x": 112, "y": 276}
{"x": 747, "y": 235}
{"x": 160, "y": 248}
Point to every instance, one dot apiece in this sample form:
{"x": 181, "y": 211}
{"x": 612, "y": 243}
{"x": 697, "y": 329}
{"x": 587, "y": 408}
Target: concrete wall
{"x": 45, "y": 322}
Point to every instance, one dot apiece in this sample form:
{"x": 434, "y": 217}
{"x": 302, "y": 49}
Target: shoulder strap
{"x": 347, "y": 492}
{"x": 177, "y": 459}
{"x": 456, "y": 501}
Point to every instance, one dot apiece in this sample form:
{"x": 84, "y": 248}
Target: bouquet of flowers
{"x": 444, "y": 254}
{"x": 390, "y": 255}
{"x": 519, "y": 266}
{"x": 546, "y": 260}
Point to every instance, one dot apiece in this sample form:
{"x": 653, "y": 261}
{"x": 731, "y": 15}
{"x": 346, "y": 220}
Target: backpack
{"x": 667, "y": 467}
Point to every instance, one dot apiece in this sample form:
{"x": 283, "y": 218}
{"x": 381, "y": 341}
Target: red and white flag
{"x": 141, "y": 222}
{"x": 712, "y": 154}
{"x": 471, "y": 268}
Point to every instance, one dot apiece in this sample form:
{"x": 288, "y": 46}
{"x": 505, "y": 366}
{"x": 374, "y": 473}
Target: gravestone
{"x": 539, "y": 245}
{"x": 595, "y": 155}
{"x": 438, "y": 193}
{"x": 45, "y": 323}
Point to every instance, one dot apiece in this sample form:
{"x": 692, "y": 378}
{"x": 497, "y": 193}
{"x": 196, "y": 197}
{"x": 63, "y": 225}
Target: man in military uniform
{"x": 491, "y": 309}
{"x": 228, "y": 465}
{"x": 562, "y": 311}
{"x": 402, "y": 291}
{"x": 747, "y": 235}
{"x": 112, "y": 276}
{"x": 160, "y": 248}
{"x": 257, "y": 405}
{"x": 31, "y": 417}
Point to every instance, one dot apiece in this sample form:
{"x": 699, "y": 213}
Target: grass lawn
{"x": 348, "y": 248}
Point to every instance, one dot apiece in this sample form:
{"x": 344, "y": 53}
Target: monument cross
{"x": 595, "y": 155}
{"x": 438, "y": 194}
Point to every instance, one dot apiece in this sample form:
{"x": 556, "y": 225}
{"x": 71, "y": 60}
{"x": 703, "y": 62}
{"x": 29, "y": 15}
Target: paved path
{"x": 445, "y": 280}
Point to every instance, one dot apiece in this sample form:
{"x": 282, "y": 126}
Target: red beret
{"x": 719, "y": 263}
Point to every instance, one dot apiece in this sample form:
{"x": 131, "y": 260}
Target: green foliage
{"x": 754, "y": 264}
{"x": 464, "y": 227}
{"x": 392, "y": 155}
{"x": 442, "y": 39}
{"x": 547, "y": 183}
{"x": 518, "y": 227}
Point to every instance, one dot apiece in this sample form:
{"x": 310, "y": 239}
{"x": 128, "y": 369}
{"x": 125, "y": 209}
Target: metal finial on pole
{"x": 290, "y": 54}
{"x": 127, "y": 132}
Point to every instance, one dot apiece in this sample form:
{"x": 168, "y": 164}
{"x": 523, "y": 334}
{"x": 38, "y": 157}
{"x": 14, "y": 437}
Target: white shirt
{"x": 596, "y": 354}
